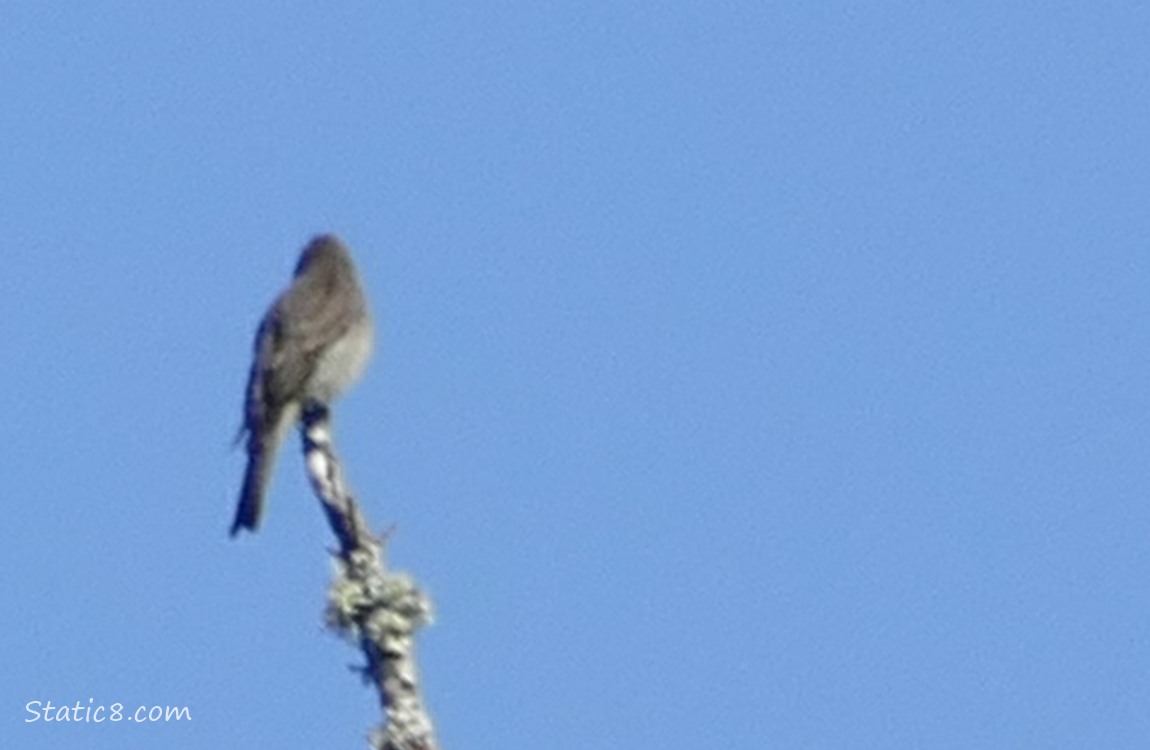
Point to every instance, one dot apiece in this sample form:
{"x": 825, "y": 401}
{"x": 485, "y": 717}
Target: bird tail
{"x": 251, "y": 503}
{"x": 264, "y": 441}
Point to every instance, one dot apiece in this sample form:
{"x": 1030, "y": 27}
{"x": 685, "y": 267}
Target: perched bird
{"x": 312, "y": 343}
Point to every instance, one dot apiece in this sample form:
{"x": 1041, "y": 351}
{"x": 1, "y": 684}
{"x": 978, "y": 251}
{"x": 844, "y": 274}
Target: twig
{"x": 380, "y": 611}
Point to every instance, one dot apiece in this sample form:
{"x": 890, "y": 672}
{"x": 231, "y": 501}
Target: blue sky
{"x": 752, "y": 375}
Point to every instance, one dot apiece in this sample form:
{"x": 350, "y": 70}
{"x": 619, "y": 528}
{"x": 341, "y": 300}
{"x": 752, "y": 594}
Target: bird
{"x": 311, "y": 345}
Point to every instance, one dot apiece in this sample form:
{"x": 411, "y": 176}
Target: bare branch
{"x": 378, "y": 610}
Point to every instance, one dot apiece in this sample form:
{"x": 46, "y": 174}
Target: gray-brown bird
{"x": 312, "y": 344}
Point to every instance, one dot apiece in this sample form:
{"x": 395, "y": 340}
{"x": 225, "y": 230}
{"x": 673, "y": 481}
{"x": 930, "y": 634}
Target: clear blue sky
{"x": 750, "y": 375}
